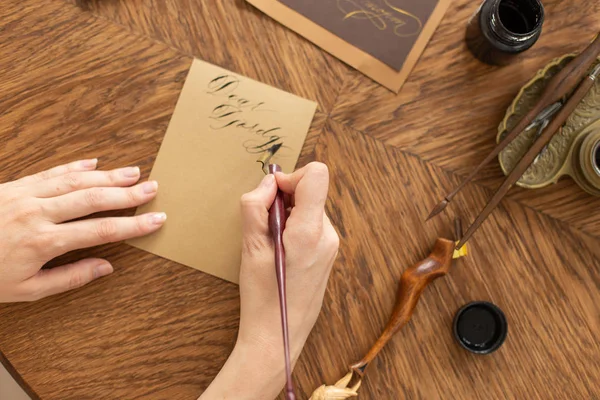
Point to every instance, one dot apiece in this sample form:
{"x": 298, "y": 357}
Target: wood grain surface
{"x": 100, "y": 78}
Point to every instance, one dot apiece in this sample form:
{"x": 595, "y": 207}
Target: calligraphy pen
{"x": 413, "y": 283}
{"x": 551, "y": 102}
{"x": 277, "y": 219}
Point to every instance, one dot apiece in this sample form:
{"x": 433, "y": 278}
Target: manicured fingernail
{"x": 150, "y": 187}
{"x": 158, "y": 218}
{"x": 90, "y": 163}
{"x": 131, "y": 172}
{"x": 267, "y": 181}
{"x": 103, "y": 269}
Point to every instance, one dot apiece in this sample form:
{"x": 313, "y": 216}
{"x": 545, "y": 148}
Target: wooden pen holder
{"x": 573, "y": 151}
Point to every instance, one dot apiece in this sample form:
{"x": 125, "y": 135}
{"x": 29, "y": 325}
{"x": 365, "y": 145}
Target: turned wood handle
{"x": 529, "y": 157}
{"x": 412, "y": 283}
{"x": 568, "y": 77}
{"x": 277, "y": 220}
{"x": 559, "y": 86}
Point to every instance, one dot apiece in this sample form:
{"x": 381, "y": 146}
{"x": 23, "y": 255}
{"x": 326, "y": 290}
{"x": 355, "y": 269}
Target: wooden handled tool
{"x": 412, "y": 284}
{"x": 277, "y": 219}
{"x": 533, "y": 152}
{"x": 557, "y": 89}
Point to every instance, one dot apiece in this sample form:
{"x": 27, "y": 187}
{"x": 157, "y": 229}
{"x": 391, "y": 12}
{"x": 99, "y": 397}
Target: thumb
{"x": 255, "y": 214}
{"x": 48, "y": 282}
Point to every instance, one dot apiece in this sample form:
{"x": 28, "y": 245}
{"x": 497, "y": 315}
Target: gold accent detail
{"x": 379, "y": 16}
{"x": 463, "y": 252}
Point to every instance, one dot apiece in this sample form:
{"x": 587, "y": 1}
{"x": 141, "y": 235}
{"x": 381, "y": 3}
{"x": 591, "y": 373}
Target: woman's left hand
{"x": 36, "y": 214}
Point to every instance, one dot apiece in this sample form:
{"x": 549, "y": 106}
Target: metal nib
{"x": 265, "y": 158}
{"x": 438, "y": 209}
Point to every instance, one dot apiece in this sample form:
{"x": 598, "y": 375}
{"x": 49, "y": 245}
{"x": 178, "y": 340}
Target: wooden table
{"x": 101, "y": 78}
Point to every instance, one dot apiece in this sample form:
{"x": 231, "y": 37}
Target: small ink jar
{"x": 480, "y": 327}
{"x": 586, "y": 162}
{"x": 596, "y": 158}
{"x": 501, "y": 29}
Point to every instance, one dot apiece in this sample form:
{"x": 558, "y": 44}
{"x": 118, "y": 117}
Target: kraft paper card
{"x": 221, "y": 125}
{"x": 381, "y": 38}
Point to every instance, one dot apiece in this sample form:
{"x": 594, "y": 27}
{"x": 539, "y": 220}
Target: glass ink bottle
{"x": 501, "y": 29}
{"x": 596, "y": 158}
{"x": 586, "y": 162}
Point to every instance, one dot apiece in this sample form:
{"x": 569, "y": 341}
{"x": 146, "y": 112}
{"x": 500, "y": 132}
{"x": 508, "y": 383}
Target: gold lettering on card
{"x": 383, "y": 14}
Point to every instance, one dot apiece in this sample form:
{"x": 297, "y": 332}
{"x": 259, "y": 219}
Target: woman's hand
{"x": 34, "y": 227}
{"x": 256, "y": 368}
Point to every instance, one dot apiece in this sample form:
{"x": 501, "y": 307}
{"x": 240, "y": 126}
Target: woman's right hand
{"x": 311, "y": 244}
{"x": 255, "y": 369}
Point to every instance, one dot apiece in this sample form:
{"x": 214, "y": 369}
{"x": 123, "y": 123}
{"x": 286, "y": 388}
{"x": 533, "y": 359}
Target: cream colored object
{"x": 207, "y": 161}
{"x": 339, "y": 391}
{"x": 9, "y": 389}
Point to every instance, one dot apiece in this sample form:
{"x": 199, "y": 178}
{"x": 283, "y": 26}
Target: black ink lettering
{"x": 253, "y": 146}
{"x": 263, "y": 132}
{"x": 224, "y": 82}
{"x": 236, "y": 113}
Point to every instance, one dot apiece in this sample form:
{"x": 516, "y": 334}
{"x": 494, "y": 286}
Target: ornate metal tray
{"x": 574, "y": 149}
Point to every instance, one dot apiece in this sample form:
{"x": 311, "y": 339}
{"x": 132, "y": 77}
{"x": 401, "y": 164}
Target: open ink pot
{"x": 586, "y": 162}
{"x": 596, "y": 159}
{"x": 501, "y": 29}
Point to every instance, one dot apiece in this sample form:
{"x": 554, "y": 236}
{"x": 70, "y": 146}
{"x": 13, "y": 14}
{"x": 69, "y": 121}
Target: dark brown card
{"x": 385, "y": 29}
{"x": 350, "y": 53}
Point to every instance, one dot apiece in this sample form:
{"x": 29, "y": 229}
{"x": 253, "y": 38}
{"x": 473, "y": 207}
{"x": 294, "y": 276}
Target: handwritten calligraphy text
{"x": 384, "y": 15}
{"x": 236, "y": 112}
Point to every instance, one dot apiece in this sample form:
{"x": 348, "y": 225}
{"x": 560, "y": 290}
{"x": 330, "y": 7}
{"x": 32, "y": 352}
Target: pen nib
{"x": 267, "y": 155}
{"x": 438, "y": 209}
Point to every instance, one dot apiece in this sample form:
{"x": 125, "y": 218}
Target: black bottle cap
{"x": 480, "y": 327}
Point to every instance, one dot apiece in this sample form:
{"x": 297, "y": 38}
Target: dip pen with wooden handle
{"x": 413, "y": 282}
{"x": 557, "y": 89}
{"x": 277, "y": 219}
{"x": 535, "y": 149}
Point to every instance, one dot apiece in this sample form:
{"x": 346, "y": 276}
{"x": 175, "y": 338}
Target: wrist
{"x": 248, "y": 374}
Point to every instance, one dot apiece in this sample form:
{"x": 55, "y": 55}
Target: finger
{"x": 98, "y": 231}
{"x": 309, "y": 185}
{"x": 288, "y": 200}
{"x": 255, "y": 214}
{"x": 73, "y": 181}
{"x": 77, "y": 166}
{"x": 48, "y": 282}
{"x": 330, "y": 233}
{"x": 256, "y": 204}
{"x": 326, "y": 220}
{"x": 89, "y": 201}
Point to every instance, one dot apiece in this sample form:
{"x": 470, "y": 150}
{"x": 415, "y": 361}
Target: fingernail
{"x": 131, "y": 172}
{"x": 90, "y": 163}
{"x": 150, "y": 187}
{"x": 158, "y": 218}
{"x": 102, "y": 270}
{"x": 267, "y": 181}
